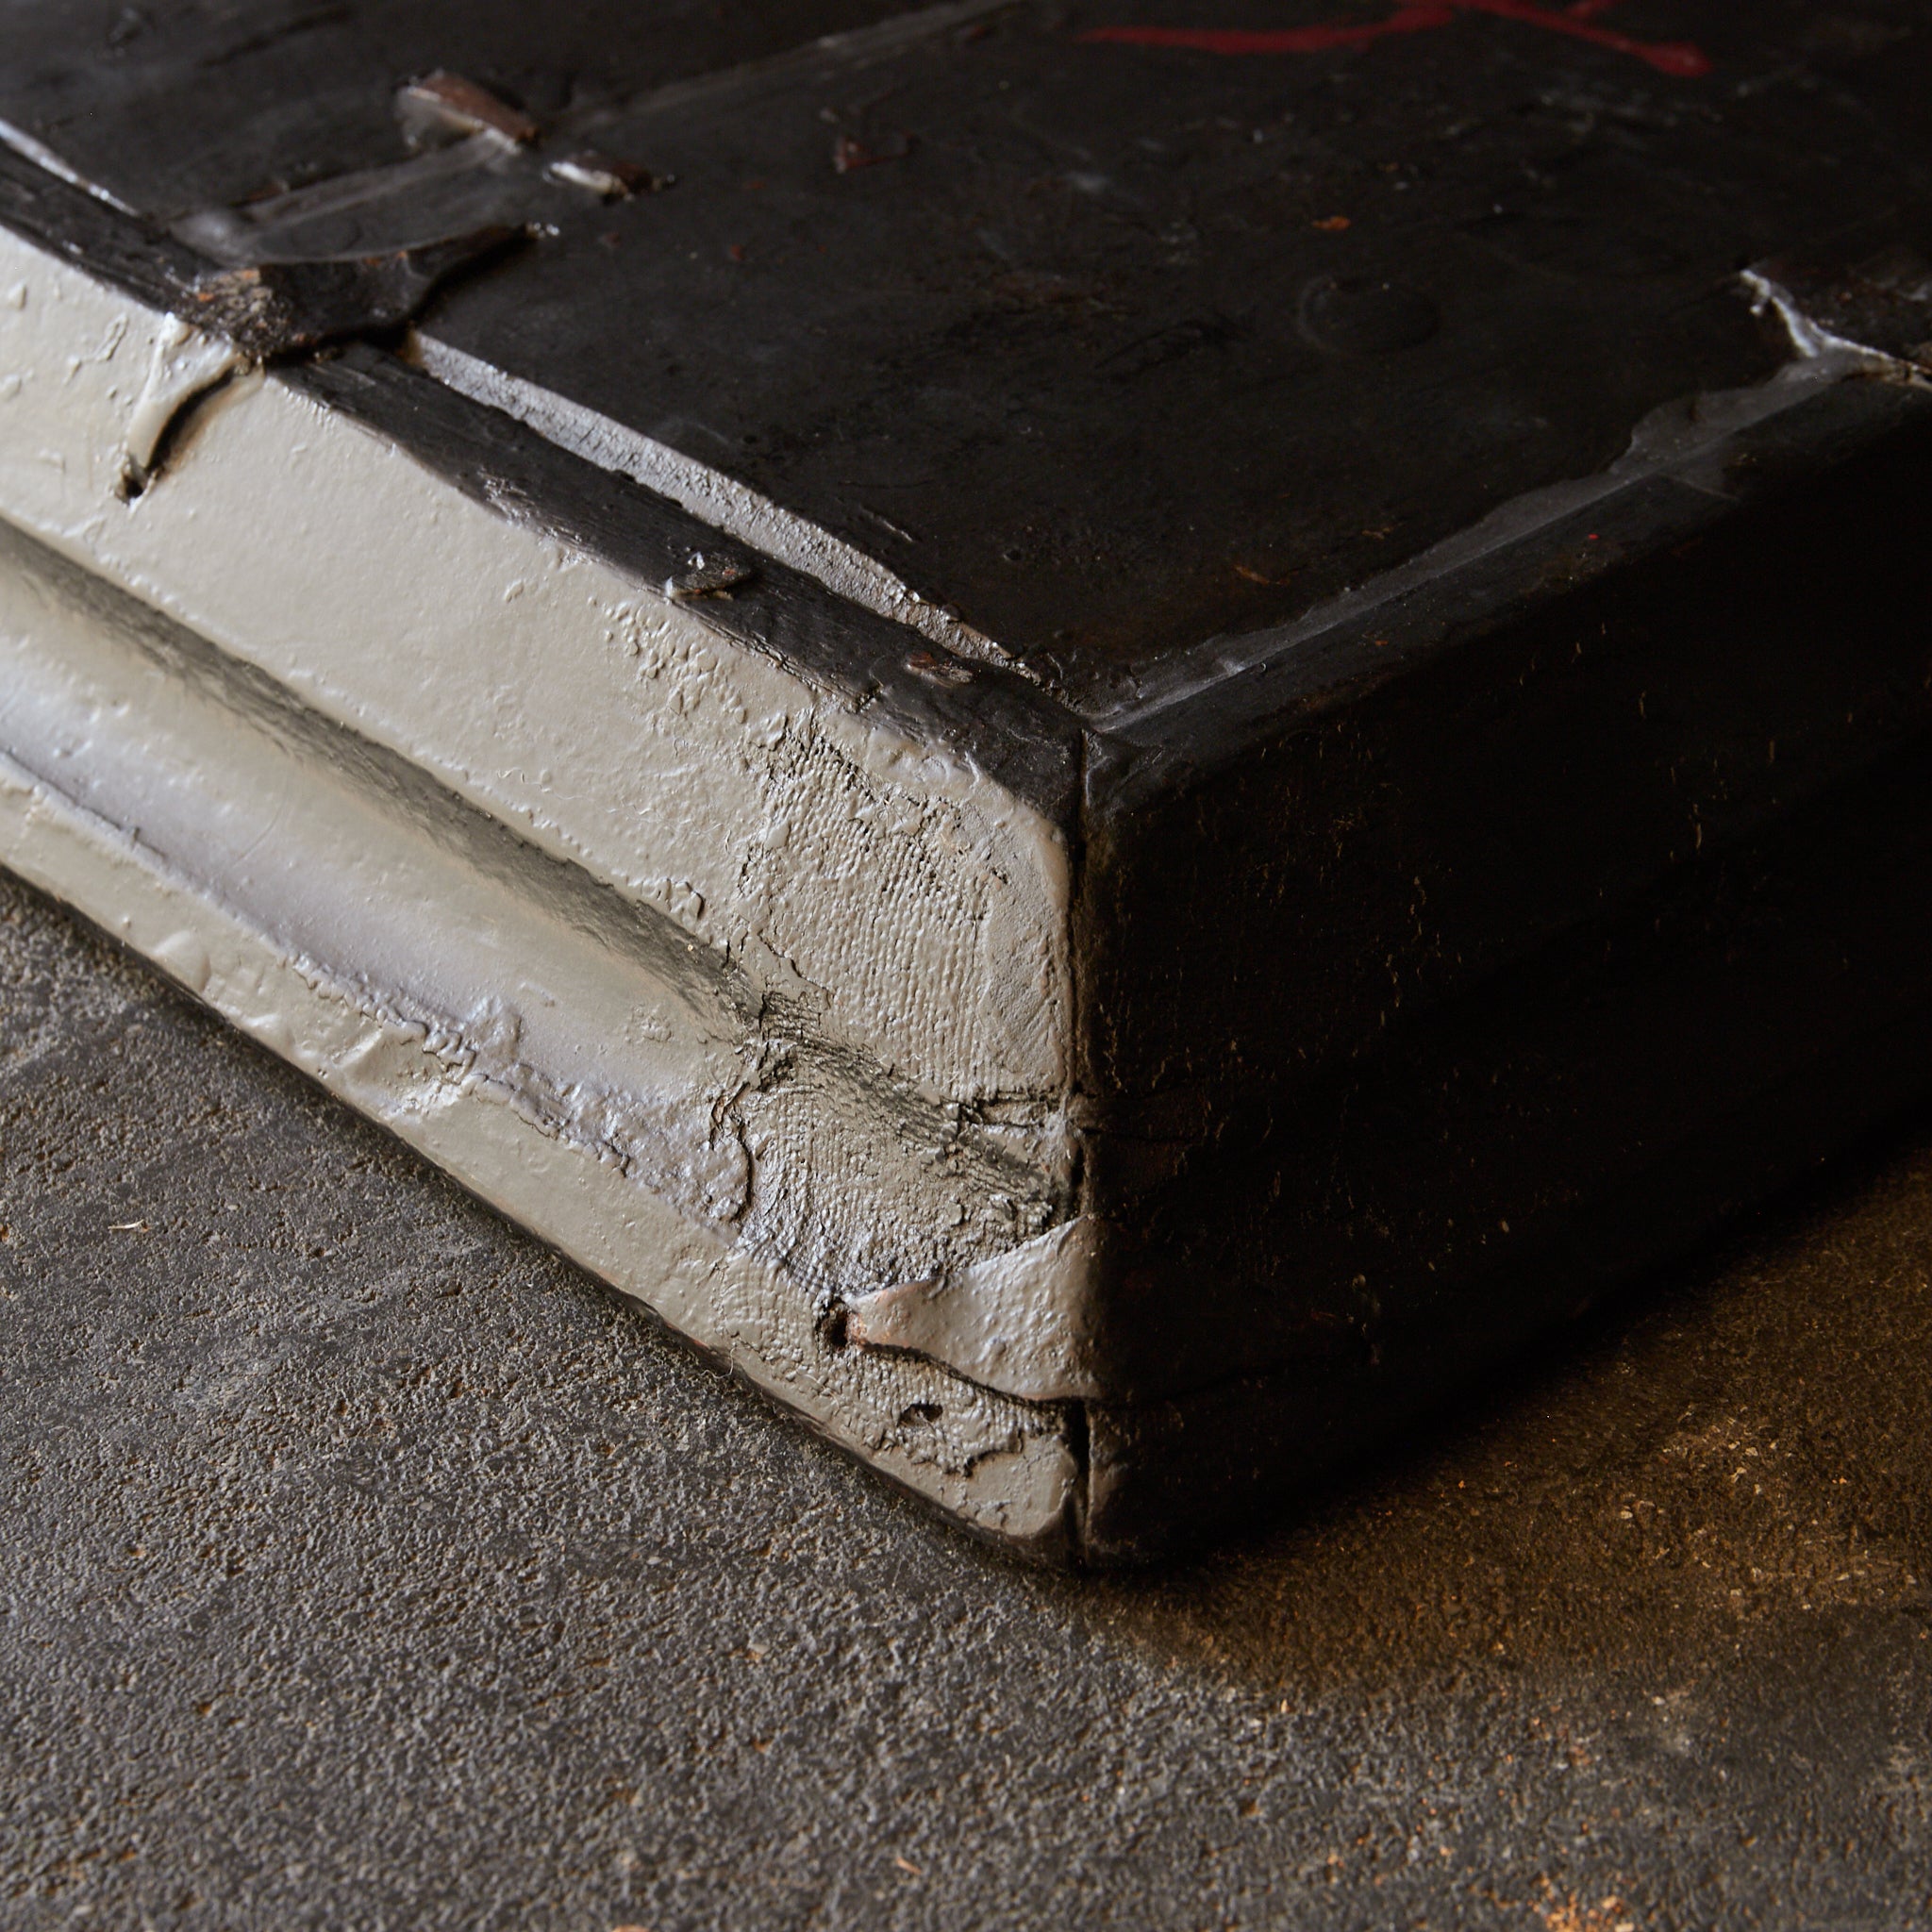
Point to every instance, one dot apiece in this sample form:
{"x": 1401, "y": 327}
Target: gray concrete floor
{"x": 366, "y": 1566}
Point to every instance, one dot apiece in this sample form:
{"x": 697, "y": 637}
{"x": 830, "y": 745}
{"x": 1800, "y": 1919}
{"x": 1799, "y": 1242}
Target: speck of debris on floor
{"x": 367, "y": 1566}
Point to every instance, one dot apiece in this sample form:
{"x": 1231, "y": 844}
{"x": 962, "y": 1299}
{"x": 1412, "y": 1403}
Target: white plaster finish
{"x": 749, "y": 1003}
{"x": 921, "y": 904}
{"x": 567, "y": 1071}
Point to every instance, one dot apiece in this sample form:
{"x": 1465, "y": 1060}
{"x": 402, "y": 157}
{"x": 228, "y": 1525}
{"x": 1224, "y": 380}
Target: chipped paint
{"x": 185, "y": 365}
{"x": 920, "y": 902}
{"x": 42, "y": 156}
{"x": 442, "y": 102}
{"x": 749, "y": 1001}
{"x": 562, "y": 1054}
{"x": 733, "y": 506}
{"x": 1021, "y": 1322}
{"x": 1814, "y": 342}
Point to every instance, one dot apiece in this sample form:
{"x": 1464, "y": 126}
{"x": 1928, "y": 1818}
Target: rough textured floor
{"x": 367, "y": 1566}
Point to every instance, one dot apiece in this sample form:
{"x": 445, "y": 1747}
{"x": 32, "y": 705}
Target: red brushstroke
{"x": 1676, "y": 58}
{"x": 1287, "y": 39}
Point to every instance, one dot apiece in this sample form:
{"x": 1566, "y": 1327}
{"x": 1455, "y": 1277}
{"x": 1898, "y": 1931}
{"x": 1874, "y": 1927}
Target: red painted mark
{"x": 1677, "y": 58}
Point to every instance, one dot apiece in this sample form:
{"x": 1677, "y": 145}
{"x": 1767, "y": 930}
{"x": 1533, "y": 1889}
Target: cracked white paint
{"x": 749, "y": 1002}
{"x": 922, "y": 903}
{"x": 568, "y": 1061}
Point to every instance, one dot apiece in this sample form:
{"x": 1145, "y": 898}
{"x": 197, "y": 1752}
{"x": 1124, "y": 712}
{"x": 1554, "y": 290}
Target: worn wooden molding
{"x": 1100, "y": 1067}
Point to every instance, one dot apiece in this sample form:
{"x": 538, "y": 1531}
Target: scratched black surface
{"x": 1110, "y": 346}
{"x": 190, "y": 104}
